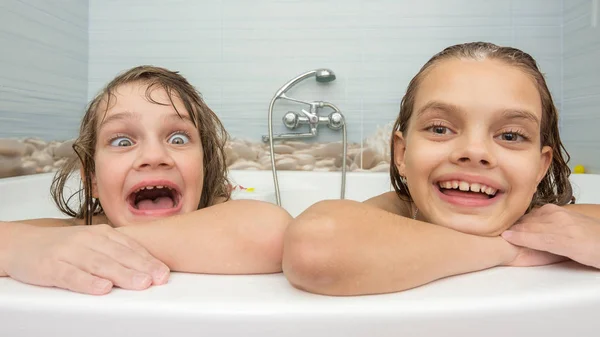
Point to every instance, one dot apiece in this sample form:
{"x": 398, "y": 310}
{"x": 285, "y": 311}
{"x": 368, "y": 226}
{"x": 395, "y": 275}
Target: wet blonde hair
{"x": 212, "y": 136}
{"x": 555, "y": 187}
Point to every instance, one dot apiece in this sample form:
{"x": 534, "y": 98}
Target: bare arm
{"x": 56, "y": 222}
{"x": 590, "y": 210}
{"x": 342, "y": 247}
{"x": 235, "y": 237}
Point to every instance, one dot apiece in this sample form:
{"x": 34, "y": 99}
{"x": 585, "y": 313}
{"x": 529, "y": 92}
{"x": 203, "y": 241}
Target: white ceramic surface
{"x": 557, "y": 300}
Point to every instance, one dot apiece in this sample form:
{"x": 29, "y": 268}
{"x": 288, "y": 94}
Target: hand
{"x": 85, "y": 259}
{"x": 559, "y": 231}
{"x": 526, "y": 257}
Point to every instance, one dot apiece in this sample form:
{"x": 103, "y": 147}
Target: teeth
{"x": 151, "y": 188}
{"x": 465, "y": 186}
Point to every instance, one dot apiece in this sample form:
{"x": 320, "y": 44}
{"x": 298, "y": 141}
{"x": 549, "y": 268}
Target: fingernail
{"x": 101, "y": 285}
{"x": 161, "y": 274}
{"x": 507, "y": 234}
{"x": 141, "y": 280}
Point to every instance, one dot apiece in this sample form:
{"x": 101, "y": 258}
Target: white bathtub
{"x": 557, "y": 300}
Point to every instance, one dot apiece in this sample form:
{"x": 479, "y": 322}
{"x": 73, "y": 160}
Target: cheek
{"x": 109, "y": 178}
{"x": 193, "y": 168}
{"x": 107, "y": 182}
{"x": 421, "y": 157}
{"x": 523, "y": 173}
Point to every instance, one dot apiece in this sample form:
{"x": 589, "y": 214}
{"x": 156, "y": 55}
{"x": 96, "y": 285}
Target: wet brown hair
{"x": 212, "y": 136}
{"x": 555, "y": 187}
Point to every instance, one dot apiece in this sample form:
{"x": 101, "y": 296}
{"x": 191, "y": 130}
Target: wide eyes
{"x": 121, "y": 142}
{"x": 179, "y": 138}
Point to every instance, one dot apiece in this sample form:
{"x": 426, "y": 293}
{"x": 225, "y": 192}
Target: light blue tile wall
{"x": 43, "y": 67}
{"x": 238, "y": 53}
{"x": 581, "y": 83}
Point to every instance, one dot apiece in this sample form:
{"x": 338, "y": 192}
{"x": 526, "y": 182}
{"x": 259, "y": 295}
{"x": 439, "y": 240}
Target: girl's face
{"x": 471, "y": 154}
{"x": 149, "y": 160}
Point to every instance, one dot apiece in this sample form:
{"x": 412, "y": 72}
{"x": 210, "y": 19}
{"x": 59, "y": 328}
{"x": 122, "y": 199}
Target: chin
{"x": 470, "y": 224}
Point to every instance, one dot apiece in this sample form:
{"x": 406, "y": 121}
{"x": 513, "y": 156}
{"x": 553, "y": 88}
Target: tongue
{"x": 464, "y": 194}
{"x": 158, "y": 203}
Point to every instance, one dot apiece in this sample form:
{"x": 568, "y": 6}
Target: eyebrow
{"x": 128, "y": 115}
{"x": 520, "y": 114}
{"x": 436, "y": 105}
{"x": 506, "y": 114}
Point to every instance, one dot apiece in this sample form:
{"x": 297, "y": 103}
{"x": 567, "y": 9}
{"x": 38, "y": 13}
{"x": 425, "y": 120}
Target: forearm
{"x": 590, "y": 210}
{"x": 236, "y": 237}
{"x": 5, "y": 233}
{"x": 7, "y": 230}
{"x": 49, "y": 222}
{"x": 348, "y": 248}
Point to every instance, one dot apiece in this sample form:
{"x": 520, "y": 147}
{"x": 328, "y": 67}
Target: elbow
{"x": 310, "y": 255}
{"x": 265, "y": 240}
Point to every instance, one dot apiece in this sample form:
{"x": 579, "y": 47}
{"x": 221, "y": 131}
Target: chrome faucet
{"x": 293, "y": 120}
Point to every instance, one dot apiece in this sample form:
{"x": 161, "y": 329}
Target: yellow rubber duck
{"x": 579, "y": 169}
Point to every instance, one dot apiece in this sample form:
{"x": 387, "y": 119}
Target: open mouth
{"x": 463, "y": 189}
{"x": 151, "y": 198}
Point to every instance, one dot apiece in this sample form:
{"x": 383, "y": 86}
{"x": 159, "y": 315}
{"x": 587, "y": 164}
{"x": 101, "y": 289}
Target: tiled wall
{"x": 581, "y": 83}
{"x": 238, "y": 53}
{"x": 43, "y": 67}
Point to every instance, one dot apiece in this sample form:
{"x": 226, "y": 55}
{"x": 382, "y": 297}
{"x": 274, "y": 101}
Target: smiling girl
{"x": 154, "y": 198}
{"x": 475, "y": 147}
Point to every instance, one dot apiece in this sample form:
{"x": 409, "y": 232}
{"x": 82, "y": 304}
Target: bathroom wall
{"x": 581, "y": 83}
{"x": 57, "y": 54}
{"x": 238, "y": 53}
{"x": 43, "y": 67}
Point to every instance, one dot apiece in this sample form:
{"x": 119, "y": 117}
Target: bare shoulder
{"x": 390, "y": 202}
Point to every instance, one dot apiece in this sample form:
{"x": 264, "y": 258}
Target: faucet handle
{"x": 336, "y": 120}
{"x": 292, "y": 120}
{"x": 313, "y": 118}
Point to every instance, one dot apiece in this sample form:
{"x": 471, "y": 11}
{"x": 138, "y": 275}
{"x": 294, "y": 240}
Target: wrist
{"x": 6, "y": 234}
{"x": 505, "y": 252}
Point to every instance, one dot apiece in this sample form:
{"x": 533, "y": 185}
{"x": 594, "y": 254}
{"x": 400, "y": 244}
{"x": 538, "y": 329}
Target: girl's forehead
{"x": 480, "y": 85}
{"x": 139, "y": 98}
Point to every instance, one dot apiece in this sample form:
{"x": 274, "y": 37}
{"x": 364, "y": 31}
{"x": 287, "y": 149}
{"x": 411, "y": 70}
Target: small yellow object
{"x": 579, "y": 169}
{"x": 250, "y": 189}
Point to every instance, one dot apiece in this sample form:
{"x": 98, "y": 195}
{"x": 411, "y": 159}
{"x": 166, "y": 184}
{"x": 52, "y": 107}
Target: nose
{"x": 475, "y": 151}
{"x": 153, "y": 154}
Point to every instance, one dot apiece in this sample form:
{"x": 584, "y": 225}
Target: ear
{"x": 399, "y": 152}
{"x": 546, "y": 160}
{"x": 94, "y": 186}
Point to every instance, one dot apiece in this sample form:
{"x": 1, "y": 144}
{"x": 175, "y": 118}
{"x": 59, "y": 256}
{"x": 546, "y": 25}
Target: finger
{"x": 532, "y": 257}
{"x": 548, "y": 242}
{"x": 132, "y": 255}
{"x": 72, "y": 278}
{"x": 533, "y": 227}
{"x": 105, "y": 267}
{"x": 125, "y": 240}
{"x": 547, "y": 209}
